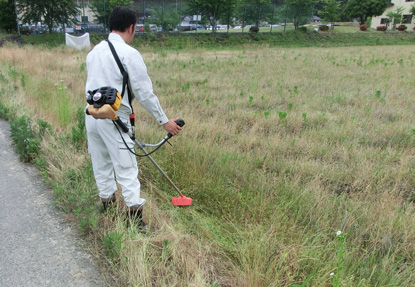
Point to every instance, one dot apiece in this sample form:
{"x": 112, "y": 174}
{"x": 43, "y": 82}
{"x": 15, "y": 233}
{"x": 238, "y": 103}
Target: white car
{"x": 69, "y": 30}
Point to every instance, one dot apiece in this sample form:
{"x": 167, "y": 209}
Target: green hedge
{"x": 219, "y": 40}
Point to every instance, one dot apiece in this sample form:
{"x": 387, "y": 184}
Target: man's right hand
{"x": 104, "y": 112}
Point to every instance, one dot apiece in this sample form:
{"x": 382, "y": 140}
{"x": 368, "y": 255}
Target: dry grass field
{"x": 300, "y": 163}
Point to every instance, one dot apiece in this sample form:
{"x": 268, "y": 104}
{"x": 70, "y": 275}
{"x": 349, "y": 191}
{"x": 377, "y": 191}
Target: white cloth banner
{"x": 81, "y": 42}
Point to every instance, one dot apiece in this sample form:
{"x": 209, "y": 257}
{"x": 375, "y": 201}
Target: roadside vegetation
{"x": 300, "y": 161}
{"x": 340, "y": 36}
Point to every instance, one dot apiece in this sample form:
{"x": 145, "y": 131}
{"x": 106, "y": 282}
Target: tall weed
{"x": 27, "y": 137}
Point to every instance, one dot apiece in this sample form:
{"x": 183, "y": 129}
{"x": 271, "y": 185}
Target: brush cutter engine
{"x": 104, "y": 95}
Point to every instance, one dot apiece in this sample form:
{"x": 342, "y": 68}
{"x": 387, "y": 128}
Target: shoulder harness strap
{"x": 124, "y": 75}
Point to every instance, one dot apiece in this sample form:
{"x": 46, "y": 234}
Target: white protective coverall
{"x": 105, "y": 146}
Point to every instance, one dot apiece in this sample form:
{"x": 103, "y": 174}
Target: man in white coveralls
{"x": 105, "y": 145}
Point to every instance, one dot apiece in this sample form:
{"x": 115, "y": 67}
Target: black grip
{"x": 123, "y": 127}
{"x": 179, "y": 122}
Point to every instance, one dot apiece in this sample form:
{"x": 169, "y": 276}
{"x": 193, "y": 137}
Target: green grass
{"x": 282, "y": 148}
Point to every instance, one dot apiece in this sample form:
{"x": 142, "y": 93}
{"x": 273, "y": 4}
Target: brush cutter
{"x": 176, "y": 201}
{"x": 103, "y": 103}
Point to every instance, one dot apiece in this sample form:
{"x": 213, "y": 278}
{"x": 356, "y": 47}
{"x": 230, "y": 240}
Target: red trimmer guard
{"x": 181, "y": 201}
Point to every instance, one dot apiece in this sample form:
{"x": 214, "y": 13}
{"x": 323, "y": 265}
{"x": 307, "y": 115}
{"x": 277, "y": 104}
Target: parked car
{"x": 153, "y": 28}
{"x": 139, "y": 29}
{"x": 221, "y": 27}
{"x": 328, "y": 25}
{"x": 69, "y": 30}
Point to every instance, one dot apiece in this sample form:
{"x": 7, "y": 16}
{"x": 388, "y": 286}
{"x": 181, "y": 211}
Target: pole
{"x": 144, "y": 17}
{"x": 243, "y": 19}
{"x": 180, "y": 18}
{"x": 162, "y": 17}
{"x": 273, "y": 11}
{"x": 197, "y": 16}
{"x": 286, "y": 16}
{"x": 17, "y": 18}
{"x": 105, "y": 19}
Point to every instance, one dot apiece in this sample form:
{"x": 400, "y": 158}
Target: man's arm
{"x": 142, "y": 88}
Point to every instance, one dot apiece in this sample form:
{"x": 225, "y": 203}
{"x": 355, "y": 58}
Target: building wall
{"x": 85, "y": 9}
{"x": 379, "y": 21}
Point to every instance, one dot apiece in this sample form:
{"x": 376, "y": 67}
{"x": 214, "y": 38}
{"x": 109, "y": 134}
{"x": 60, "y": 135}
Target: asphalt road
{"x": 37, "y": 246}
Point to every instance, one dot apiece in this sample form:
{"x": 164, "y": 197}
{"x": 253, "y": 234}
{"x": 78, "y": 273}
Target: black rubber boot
{"x": 109, "y": 203}
{"x": 136, "y": 217}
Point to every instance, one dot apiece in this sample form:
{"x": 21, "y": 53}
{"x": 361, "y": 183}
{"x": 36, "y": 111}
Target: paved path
{"x": 37, "y": 246}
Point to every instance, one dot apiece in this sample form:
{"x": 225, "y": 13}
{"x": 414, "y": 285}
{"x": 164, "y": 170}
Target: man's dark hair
{"x": 121, "y": 18}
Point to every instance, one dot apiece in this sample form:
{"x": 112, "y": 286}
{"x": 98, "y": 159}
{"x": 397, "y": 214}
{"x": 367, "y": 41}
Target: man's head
{"x": 121, "y": 18}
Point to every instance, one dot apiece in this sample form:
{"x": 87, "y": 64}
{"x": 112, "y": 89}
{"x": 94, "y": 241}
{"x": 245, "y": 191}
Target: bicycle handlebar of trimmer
{"x": 124, "y": 128}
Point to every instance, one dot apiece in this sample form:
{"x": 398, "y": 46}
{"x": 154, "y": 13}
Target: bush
{"x": 381, "y": 28}
{"x": 402, "y": 27}
{"x": 254, "y": 29}
{"x": 363, "y": 27}
{"x": 25, "y": 31}
{"x": 302, "y": 29}
{"x": 323, "y": 28}
{"x": 4, "y": 111}
{"x": 26, "y": 140}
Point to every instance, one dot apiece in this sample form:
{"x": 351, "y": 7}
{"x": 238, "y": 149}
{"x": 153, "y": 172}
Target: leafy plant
{"x": 78, "y": 132}
{"x": 304, "y": 115}
{"x": 340, "y": 253}
{"x": 402, "y": 28}
{"x": 254, "y": 29}
{"x": 282, "y": 116}
{"x": 25, "y": 138}
{"x": 63, "y": 103}
{"x": 4, "y": 111}
{"x": 113, "y": 244}
{"x": 323, "y": 28}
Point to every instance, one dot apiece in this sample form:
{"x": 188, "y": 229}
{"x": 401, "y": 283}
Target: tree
{"x": 102, "y": 8}
{"x": 258, "y": 5}
{"x": 49, "y": 11}
{"x": 300, "y": 10}
{"x": 412, "y": 10}
{"x": 395, "y": 16}
{"x": 253, "y": 12}
{"x": 211, "y": 10}
{"x": 7, "y": 16}
{"x": 331, "y": 11}
{"x": 166, "y": 16}
{"x": 362, "y": 9}
{"x": 229, "y": 11}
